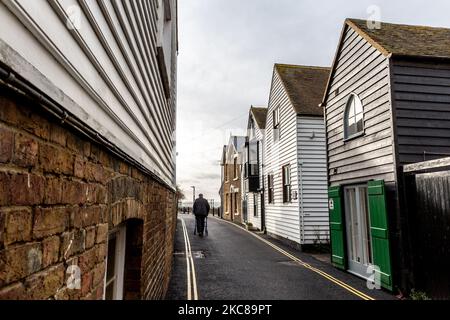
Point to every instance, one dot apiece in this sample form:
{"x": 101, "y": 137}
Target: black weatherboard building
{"x": 387, "y": 105}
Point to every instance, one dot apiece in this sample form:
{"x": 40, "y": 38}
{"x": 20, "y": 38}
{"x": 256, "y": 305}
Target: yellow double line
{"x": 192, "y": 292}
{"x": 338, "y": 282}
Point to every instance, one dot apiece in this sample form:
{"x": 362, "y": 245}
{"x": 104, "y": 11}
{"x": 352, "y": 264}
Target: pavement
{"x": 232, "y": 263}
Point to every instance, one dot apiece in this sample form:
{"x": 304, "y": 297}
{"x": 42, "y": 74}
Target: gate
{"x": 427, "y": 190}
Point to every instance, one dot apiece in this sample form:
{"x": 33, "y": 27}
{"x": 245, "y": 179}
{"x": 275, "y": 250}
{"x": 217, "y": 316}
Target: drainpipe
{"x": 302, "y": 210}
{"x": 23, "y": 87}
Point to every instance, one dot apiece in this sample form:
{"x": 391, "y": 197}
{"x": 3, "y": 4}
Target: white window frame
{"x": 120, "y": 233}
{"x": 347, "y": 136}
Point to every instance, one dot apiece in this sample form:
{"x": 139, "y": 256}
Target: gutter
{"x": 19, "y": 85}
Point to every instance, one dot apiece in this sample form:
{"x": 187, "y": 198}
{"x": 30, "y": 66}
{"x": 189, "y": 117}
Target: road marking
{"x": 190, "y": 267}
{"x": 327, "y": 276}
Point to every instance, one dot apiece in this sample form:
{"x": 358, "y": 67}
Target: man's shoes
{"x": 200, "y": 235}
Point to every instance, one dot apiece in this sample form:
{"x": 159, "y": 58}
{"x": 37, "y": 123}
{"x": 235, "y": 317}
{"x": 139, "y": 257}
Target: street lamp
{"x": 193, "y": 187}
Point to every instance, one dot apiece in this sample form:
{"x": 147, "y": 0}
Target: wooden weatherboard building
{"x": 387, "y": 104}
{"x": 253, "y": 168}
{"x": 295, "y": 156}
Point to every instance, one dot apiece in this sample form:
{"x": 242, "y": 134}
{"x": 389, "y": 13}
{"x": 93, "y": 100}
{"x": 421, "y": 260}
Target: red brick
{"x": 18, "y": 225}
{"x": 6, "y": 145}
{"x": 26, "y": 189}
{"x": 73, "y": 192}
{"x": 25, "y": 151}
{"x": 15, "y": 291}
{"x": 45, "y": 284}
{"x": 101, "y": 252}
{"x": 50, "y": 249}
{"x": 86, "y": 283}
{"x": 53, "y": 191}
{"x": 50, "y": 221}
{"x": 99, "y": 293}
{"x": 88, "y": 260}
{"x": 56, "y": 160}
{"x": 19, "y": 262}
{"x": 102, "y": 233}
{"x": 90, "y": 237}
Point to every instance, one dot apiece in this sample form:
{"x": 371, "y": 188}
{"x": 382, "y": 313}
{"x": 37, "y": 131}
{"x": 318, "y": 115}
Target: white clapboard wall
{"x": 302, "y": 146}
{"x": 99, "y": 61}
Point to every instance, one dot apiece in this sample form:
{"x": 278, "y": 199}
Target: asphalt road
{"x": 233, "y": 264}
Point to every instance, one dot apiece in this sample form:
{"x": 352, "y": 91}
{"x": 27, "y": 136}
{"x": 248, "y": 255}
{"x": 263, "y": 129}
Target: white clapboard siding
{"x": 104, "y": 72}
{"x": 363, "y": 70}
{"x": 313, "y": 193}
{"x": 281, "y": 219}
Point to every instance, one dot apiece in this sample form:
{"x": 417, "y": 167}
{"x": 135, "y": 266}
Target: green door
{"x": 336, "y": 228}
{"x": 380, "y": 231}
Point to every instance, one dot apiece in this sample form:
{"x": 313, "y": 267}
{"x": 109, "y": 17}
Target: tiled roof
{"x": 405, "y": 40}
{"x": 305, "y": 86}
{"x": 260, "y": 115}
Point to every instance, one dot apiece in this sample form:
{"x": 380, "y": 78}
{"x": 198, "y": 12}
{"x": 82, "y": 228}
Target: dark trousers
{"x": 200, "y": 224}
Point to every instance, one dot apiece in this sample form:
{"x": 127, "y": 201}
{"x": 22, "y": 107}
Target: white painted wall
{"x": 302, "y": 145}
{"x": 281, "y": 219}
{"x": 313, "y": 190}
{"x": 105, "y": 72}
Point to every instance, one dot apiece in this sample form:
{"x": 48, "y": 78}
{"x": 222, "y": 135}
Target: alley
{"x": 233, "y": 264}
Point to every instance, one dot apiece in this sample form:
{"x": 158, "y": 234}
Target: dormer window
{"x": 353, "y": 117}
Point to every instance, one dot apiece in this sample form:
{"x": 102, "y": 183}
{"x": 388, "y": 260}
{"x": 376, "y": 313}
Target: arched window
{"x": 353, "y": 117}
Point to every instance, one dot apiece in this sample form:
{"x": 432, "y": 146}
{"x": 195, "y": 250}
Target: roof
{"x": 260, "y": 115}
{"x": 405, "y": 40}
{"x": 305, "y": 86}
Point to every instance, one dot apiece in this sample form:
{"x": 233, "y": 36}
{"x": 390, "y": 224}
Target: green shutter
{"x": 380, "y": 231}
{"x": 337, "y": 228}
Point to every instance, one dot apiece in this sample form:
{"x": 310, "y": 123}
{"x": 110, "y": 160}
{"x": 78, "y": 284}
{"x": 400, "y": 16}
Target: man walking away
{"x": 200, "y": 210}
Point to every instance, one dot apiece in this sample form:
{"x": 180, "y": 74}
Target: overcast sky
{"x": 227, "y": 52}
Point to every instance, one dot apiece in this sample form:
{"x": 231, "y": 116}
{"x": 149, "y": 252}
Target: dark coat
{"x": 201, "y": 207}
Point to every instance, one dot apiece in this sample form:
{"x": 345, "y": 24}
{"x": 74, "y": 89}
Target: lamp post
{"x": 193, "y": 197}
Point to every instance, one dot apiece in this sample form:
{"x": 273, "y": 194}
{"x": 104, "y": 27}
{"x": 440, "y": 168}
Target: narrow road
{"x": 234, "y": 264}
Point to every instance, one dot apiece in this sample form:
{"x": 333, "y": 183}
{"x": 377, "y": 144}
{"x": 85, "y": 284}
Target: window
{"x": 253, "y": 158}
{"x": 236, "y": 171}
{"x": 235, "y": 203}
{"x": 271, "y": 188}
{"x": 276, "y": 124}
{"x": 353, "y": 117}
{"x": 287, "y": 198}
{"x": 115, "y": 264}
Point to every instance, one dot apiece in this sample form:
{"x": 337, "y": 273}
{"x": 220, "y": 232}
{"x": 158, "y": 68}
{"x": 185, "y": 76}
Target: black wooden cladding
{"x": 428, "y": 207}
{"x": 422, "y": 108}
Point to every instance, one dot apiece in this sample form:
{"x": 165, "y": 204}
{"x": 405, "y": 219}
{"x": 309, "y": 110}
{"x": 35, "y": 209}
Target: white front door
{"x": 357, "y": 222}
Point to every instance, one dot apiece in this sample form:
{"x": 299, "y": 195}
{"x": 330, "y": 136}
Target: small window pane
{"x": 354, "y": 113}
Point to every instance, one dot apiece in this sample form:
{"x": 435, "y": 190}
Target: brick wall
{"x": 59, "y": 196}
{"x": 236, "y": 184}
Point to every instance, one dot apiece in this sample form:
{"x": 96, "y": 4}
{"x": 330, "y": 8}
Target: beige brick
{"x": 50, "y": 221}
{"x": 18, "y": 225}
{"x": 45, "y": 284}
{"x": 25, "y": 151}
{"x": 50, "y": 249}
